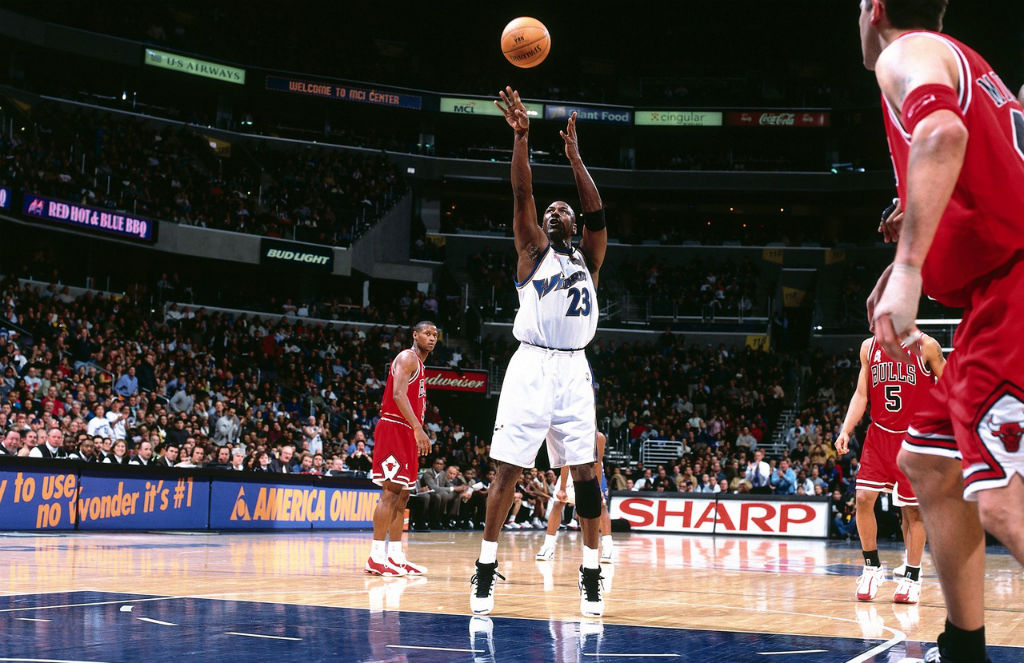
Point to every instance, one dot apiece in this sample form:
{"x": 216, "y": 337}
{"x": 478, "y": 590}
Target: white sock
{"x": 549, "y": 540}
{"x": 591, "y": 558}
{"x": 379, "y": 551}
{"x": 488, "y": 552}
{"x": 606, "y": 541}
{"x": 395, "y": 551}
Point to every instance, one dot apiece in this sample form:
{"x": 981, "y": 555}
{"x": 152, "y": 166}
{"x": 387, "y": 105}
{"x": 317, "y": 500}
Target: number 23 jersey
{"x": 557, "y": 302}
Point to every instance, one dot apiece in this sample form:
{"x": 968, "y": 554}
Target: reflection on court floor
{"x": 303, "y": 597}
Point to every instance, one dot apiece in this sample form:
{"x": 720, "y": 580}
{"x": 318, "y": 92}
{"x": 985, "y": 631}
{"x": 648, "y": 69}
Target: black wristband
{"x": 594, "y": 221}
{"x": 887, "y": 212}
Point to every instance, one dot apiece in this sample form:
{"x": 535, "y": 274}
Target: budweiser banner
{"x": 447, "y": 379}
{"x": 777, "y": 119}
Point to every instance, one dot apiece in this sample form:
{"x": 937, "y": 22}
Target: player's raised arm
{"x": 920, "y": 79}
{"x": 858, "y": 403}
{"x": 595, "y": 235}
{"x": 529, "y": 239}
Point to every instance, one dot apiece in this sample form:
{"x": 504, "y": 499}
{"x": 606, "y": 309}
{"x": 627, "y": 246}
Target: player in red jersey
{"x": 956, "y": 136}
{"x": 399, "y": 440}
{"x": 893, "y": 388}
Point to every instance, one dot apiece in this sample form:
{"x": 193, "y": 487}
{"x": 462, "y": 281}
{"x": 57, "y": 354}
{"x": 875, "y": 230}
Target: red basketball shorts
{"x": 394, "y": 455}
{"x": 976, "y": 411}
{"x": 878, "y": 470}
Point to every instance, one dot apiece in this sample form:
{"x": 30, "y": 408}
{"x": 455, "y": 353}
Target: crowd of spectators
{"x": 103, "y": 379}
{"x": 176, "y": 173}
{"x": 652, "y": 288}
{"x": 692, "y": 288}
{"x": 102, "y": 370}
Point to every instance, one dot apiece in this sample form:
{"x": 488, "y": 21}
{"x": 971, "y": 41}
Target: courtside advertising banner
{"x": 246, "y": 505}
{"x": 728, "y": 514}
{"x": 38, "y": 498}
{"x": 130, "y": 502}
{"x": 91, "y": 219}
{"x": 5, "y": 198}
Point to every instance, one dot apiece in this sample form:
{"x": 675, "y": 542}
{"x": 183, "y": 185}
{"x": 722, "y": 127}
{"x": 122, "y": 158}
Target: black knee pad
{"x": 588, "y": 498}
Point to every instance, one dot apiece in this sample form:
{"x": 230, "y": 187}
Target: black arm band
{"x": 594, "y": 221}
{"x": 887, "y": 212}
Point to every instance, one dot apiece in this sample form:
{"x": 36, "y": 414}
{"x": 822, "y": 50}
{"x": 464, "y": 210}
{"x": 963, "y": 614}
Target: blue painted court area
{"x": 100, "y": 626}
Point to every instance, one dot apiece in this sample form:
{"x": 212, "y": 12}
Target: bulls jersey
{"x": 983, "y": 225}
{"x": 896, "y": 388}
{"x": 557, "y": 302}
{"x": 416, "y": 392}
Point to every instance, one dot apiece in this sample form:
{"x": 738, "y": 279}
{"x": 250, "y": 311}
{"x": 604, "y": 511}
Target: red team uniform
{"x": 976, "y": 412}
{"x": 395, "y": 457}
{"x": 896, "y": 391}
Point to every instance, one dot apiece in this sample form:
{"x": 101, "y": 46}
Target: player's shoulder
{"x": 918, "y": 57}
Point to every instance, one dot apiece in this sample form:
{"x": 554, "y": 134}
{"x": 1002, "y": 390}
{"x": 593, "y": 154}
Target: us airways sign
{"x": 295, "y": 254}
{"x": 446, "y": 379}
{"x": 722, "y": 515}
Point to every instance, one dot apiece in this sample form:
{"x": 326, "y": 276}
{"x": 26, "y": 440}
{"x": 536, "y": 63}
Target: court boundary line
{"x": 898, "y": 636}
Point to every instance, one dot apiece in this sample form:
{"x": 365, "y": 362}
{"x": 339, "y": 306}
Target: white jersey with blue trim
{"x": 557, "y": 302}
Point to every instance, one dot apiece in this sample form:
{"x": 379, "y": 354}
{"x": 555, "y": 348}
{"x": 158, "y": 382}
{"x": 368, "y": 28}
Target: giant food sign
{"x": 651, "y": 512}
{"x": 446, "y": 379}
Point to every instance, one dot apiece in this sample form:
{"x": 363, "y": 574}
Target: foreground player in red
{"x": 956, "y": 135}
{"x": 399, "y": 440}
{"x": 893, "y": 388}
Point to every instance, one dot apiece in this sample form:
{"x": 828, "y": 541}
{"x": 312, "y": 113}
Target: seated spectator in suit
{"x": 283, "y": 463}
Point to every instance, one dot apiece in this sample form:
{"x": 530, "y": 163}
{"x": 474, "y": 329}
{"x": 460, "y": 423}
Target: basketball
{"x": 525, "y": 42}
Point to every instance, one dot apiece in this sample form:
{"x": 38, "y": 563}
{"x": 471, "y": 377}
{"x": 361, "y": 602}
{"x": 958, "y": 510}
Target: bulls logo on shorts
{"x": 390, "y": 467}
{"x": 1003, "y": 423}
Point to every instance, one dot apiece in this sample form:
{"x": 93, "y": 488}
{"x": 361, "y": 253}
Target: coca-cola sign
{"x": 777, "y": 119}
{"x": 447, "y": 379}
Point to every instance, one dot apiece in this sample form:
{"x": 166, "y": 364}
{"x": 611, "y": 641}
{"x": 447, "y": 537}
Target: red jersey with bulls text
{"x": 416, "y": 391}
{"x": 896, "y": 388}
{"x": 983, "y": 225}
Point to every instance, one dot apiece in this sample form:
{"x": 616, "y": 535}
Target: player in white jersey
{"x": 547, "y": 393}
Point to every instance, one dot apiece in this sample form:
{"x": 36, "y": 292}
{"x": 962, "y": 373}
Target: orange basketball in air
{"x": 525, "y": 42}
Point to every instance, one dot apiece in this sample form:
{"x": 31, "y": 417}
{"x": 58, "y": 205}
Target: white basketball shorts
{"x": 546, "y": 395}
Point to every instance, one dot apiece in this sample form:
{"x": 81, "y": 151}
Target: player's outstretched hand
{"x": 843, "y": 443}
{"x": 892, "y": 222}
{"x": 572, "y": 145}
{"x": 512, "y": 107}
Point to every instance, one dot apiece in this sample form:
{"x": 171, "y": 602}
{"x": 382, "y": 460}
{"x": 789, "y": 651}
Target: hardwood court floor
{"x": 716, "y": 599}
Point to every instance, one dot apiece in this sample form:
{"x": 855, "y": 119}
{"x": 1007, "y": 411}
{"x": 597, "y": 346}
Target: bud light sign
{"x": 5, "y": 198}
{"x": 91, "y": 218}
